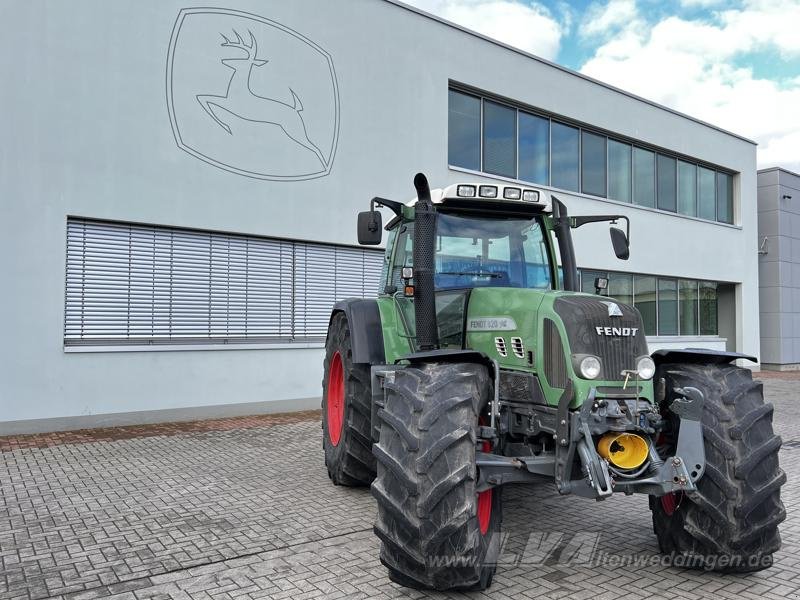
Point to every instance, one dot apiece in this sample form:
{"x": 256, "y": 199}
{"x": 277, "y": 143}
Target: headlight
{"x": 589, "y": 367}
{"x": 645, "y": 367}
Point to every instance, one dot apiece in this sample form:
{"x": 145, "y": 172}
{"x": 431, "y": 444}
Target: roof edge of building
{"x": 777, "y": 168}
{"x": 567, "y": 70}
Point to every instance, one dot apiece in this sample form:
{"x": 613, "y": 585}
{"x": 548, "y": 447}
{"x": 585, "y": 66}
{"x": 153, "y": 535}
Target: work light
{"x": 466, "y": 191}
{"x": 530, "y": 195}
{"x": 487, "y": 191}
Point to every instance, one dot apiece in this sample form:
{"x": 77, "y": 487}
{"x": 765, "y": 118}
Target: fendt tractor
{"x": 480, "y": 364}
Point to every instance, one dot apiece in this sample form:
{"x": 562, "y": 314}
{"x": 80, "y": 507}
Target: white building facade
{"x": 179, "y": 189}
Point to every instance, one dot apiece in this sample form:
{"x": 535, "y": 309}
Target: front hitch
{"x": 681, "y": 471}
{"x": 676, "y": 473}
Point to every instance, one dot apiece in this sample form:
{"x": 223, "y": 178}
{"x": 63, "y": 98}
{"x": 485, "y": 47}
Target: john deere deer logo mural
{"x": 251, "y": 96}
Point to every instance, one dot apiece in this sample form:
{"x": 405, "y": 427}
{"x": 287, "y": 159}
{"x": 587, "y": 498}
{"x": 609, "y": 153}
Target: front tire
{"x": 731, "y": 522}
{"x": 436, "y": 531}
{"x": 346, "y": 410}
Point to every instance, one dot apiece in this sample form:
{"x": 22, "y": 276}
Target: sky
{"x": 734, "y": 64}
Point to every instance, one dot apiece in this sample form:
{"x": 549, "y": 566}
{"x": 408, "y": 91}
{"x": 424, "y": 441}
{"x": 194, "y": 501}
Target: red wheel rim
{"x": 485, "y": 502}
{"x": 335, "y": 399}
{"x": 670, "y": 503}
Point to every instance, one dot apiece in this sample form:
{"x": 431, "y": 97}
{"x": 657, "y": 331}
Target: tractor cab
{"x": 497, "y": 252}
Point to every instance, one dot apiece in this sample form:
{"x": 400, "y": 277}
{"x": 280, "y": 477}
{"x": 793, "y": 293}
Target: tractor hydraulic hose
{"x": 424, "y": 248}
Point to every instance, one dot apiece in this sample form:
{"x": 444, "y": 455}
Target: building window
{"x": 499, "y": 139}
{"x": 619, "y": 171}
{"x": 565, "y": 156}
{"x": 534, "y": 148}
{"x": 620, "y": 286}
{"x": 144, "y": 284}
{"x": 724, "y": 198}
{"x": 666, "y": 183}
{"x": 464, "y": 131}
{"x": 644, "y": 177}
{"x": 706, "y": 194}
{"x": 708, "y": 308}
{"x": 644, "y": 298}
{"x": 668, "y": 306}
{"x": 593, "y": 164}
{"x": 689, "y": 307}
{"x": 687, "y": 188}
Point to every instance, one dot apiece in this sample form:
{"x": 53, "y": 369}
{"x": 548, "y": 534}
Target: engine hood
{"x": 600, "y": 326}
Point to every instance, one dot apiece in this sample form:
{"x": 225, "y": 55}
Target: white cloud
{"x": 766, "y": 24}
{"x": 781, "y": 150}
{"x": 696, "y": 68}
{"x": 528, "y": 26}
{"x": 700, "y": 3}
{"x": 604, "y": 19}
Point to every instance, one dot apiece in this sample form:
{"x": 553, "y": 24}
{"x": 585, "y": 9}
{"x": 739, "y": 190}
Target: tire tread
{"x": 425, "y": 486}
{"x": 736, "y": 509}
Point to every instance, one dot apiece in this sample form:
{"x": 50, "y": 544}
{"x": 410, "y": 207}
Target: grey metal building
{"x": 779, "y": 268}
{"x": 179, "y": 187}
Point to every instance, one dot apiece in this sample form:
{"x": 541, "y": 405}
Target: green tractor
{"x": 480, "y": 364}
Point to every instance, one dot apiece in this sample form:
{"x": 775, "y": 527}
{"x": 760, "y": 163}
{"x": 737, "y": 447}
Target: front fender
{"x": 366, "y": 332}
{"x": 702, "y": 356}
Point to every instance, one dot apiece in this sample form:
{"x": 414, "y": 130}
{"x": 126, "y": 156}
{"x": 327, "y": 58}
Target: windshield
{"x": 482, "y": 252}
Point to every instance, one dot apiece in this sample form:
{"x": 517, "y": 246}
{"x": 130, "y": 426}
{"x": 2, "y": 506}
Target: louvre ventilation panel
{"x": 134, "y": 284}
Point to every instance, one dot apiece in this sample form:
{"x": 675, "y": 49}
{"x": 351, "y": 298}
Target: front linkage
{"x": 574, "y": 434}
{"x": 658, "y": 476}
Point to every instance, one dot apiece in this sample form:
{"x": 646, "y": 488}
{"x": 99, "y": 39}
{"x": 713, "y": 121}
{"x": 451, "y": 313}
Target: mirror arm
{"x": 393, "y": 205}
{"x": 576, "y": 222}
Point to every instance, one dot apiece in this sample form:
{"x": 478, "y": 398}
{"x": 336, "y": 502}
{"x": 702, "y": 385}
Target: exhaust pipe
{"x": 624, "y": 450}
{"x": 424, "y": 247}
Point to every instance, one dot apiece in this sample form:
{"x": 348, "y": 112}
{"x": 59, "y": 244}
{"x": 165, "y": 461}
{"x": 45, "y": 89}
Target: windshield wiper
{"x": 475, "y": 273}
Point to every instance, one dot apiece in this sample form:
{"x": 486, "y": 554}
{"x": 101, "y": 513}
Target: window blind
{"x": 145, "y": 284}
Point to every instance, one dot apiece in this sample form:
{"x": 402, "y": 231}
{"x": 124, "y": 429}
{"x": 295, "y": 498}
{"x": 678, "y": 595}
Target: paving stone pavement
{"x": 250, "y": 513}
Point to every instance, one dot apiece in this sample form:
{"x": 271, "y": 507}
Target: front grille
{"x": 500, "y": 345}
{"x": 555, "y": 364}
{"x": 518, "y": 347}
{"x": 582, "y": 315}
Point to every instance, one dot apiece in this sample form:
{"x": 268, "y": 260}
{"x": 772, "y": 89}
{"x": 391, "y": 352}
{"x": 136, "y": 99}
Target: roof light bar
{"x": 512, "y": 193}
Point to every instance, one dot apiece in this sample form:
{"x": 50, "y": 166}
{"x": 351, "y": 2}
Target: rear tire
{"x": 731, "y": 522}
{"x": 436, "y": 531}
{"x": 346, "y": 410}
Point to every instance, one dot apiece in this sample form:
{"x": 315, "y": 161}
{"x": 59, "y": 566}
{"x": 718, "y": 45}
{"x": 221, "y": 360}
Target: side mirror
{"x": 620, "y": 242}
{"x": 370, "y": 228}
